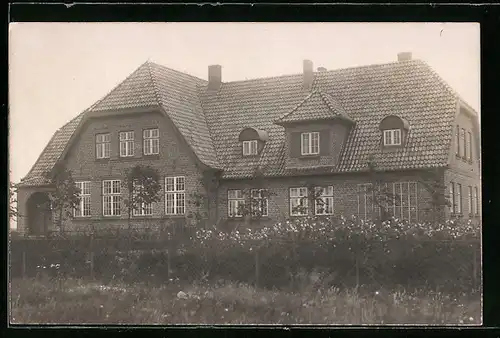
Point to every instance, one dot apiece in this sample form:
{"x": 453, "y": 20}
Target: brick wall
{"x": 345, "y": 194}
{"x": 175, "y": 159}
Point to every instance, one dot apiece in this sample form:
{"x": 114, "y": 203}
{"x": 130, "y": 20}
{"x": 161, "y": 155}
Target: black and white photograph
{"x": 245, "y": 174}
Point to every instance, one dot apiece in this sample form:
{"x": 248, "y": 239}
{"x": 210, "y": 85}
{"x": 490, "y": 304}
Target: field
{"x": 77, "y": 301}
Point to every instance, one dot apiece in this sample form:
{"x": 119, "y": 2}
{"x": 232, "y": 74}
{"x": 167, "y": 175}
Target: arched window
{"x": 252, "y": 141}
{"x": 394, "y": 130}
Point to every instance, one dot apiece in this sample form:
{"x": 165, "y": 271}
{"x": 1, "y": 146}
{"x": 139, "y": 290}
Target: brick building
{"x": 270, "y": 140}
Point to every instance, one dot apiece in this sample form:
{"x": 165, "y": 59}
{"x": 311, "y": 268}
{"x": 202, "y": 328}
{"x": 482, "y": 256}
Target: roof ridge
{"x": 176, "y": 71}
{"x": 155, "y": 91}
{"x": 117, "y": 86}
{"x": 298, "y": 105}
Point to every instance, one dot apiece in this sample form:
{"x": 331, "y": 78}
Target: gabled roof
{"x": 211, "y": 121}
{"x": 316, "y": 106}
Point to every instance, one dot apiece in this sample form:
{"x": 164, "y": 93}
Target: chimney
{"x": 214, "y": 77}
{"x": 404, "y": 56}
{"x": 321, "y": 69}
{"x": 308, "y": 76}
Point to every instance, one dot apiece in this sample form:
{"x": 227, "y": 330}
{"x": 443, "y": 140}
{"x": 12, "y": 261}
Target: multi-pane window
{"x": 235, "y": 203}
{"x": 365, "y": 201}
{"x": 392, "y": 137}
{"x": 471, "y": 201}
{"x": 324, "y": 201}
{"x": 259, "y": 203}
{"x": 298, "y": 201}
{"x": 83, "y": 207}
{"x": 463, "y": 143}
{"x": 405, "y": 200}
{"x": 140, "y": 208}
{"x": 476, "y": 200}
{"x": 469, "y": 146}
{"x": 111, "y": 198}
{"x": 126, "y": 143}
{"x": 102, "y": 145}
{"x": 453, "y": 202}
{"x": 175, "y": 195}
{"x": 249, "y": 148}
{"x": 151, "y": 140}
{"x": 310, "y": 143}
{"x": 457, "y": 140}
{"x": 459, "y": 198}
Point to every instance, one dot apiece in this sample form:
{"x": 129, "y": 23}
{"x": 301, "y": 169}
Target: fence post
{"x": 474, "y": 266}
{"x": 257, "y": 268}
{"x": 23, "y": 263}
{"x": 91, "y": 255}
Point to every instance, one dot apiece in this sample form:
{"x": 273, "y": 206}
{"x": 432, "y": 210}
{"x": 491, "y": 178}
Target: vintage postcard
{"x": 245, "y": 173}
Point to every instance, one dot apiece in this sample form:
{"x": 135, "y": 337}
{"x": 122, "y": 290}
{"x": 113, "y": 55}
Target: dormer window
{"x": 250, "y": 148}
{"x": 392, "y": 137}
{"x": 310, "y": 143}
{"x": 394, "y": 131}
{"x": 252, "y": 141}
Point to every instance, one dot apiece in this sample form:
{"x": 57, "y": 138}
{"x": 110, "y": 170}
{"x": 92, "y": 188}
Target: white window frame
{"x": 324, "y": 200}
{"x": 250, "y": 148}
{"x": 390, "y": 137}
{"x": 175, "y": 192}
{"x": 452, "y": 197}
{"x": 298, "y": 196}
{"x": 310, "y": 143}
{"x": 235, "y": 203}
{"x": 469, "y": 138}
{"x": 103, "y": 145}
{"x": 127, "y": 143}
{"x": 471, "y": 200}
{"x": 261, "y": 195}
{"x": 463, "y": 140}
{"x": 151, "y": 141}
{"x": 476, "y": 200}
{"x": 404, "y": 202}
{"x": 145, "y": 209}
{"x": 84, "y": 206}
{"x": 459, "y": 198}
{"x": 365, "y": 199}
{"x": 112, "y": 197}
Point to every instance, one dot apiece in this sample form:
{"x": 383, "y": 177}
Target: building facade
{"x": 265, "y": 150}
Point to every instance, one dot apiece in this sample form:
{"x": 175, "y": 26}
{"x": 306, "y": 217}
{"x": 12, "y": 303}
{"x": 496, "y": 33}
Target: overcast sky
{"x": 56, "y": 70}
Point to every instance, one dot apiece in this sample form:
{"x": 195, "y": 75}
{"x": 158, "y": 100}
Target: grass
{"x": 73, "y": 301}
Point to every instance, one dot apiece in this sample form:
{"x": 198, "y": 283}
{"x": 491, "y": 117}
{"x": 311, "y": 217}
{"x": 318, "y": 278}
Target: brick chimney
{"x": 214, "y": 77}
{"x": 308, "y": 75}
{"x": 404, "y": 56}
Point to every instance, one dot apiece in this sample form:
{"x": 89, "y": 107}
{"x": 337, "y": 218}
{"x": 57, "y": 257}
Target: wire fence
{"x": 138, "y": 257}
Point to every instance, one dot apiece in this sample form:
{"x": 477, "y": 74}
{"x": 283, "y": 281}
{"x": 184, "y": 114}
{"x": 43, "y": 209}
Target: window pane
{"x": 169, "y": 184}
{"x": 305, "y": 143}
{"x": 397, "y": 136}
{"x": 387, "y": 137}
{"x": 246, "y": 150}
{"x": 315, "y": 143}
{"x": 180, "y": 183}
{"x": 169, "y": 203}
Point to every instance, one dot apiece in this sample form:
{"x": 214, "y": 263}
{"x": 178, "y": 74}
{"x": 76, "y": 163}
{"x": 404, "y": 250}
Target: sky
{"x": 57, "y": 70}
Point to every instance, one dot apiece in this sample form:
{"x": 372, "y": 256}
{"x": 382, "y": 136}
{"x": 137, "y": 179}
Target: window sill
{"x": 82, "y": 218}
{"x": 310, "y": 157}
{"x": 151, "y": 157}
{"x": 107, "y": 159}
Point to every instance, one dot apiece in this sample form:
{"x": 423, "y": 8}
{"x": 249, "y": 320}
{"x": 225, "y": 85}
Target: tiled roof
{"x": 212, "y": 120}
{"x": 316, "y": 106}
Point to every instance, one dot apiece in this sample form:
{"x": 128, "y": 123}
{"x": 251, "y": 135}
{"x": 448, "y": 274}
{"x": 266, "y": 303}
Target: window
{"x": 151, "y": 140}
{"x": 83, "y": 207}
{"x": 459, "y": 198}
{"x": 324, "y": 200}
{"x": 126, "y": 143}
{"x": 471, "y": 201}
{"x": 392, "y": 137}
{"x": 463, "y": 141}
{"x": 259, "y": 202}
{"x": 458, "y": 139}
{"x": 310, "y": 143}
{"x": 249, "y": 148}
{"x": 141, "y": 209}
{"x": 235, "y": 203}
{"x": 175, "y": 195}
{"x": 111, "y": 198}
{"x": 476, "y": 199}
{"x": 102, "y": 145}
{"x": 469, "y": 146}
{"x": 365, "y": 201}
{"x": 452, "y": 198}
{"x": 298, "y": 201}
{"x": 405, "y": 201}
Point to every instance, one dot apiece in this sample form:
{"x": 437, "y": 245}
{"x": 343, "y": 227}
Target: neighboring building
{"x": 282, "y": 133}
